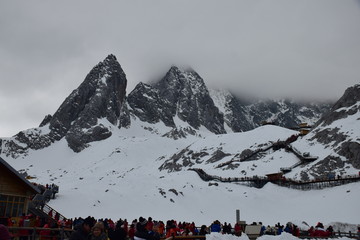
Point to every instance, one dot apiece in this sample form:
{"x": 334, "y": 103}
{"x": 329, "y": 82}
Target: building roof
{"x": 3, "y": 163}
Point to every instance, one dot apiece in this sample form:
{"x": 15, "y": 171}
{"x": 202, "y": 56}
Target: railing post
{"x": 34, "y": 234}
{"x": 62, "y": 233}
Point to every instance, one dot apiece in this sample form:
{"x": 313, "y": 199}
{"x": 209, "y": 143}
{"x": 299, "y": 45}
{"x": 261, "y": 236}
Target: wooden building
{"x": 274, "y": 176}
{"x": 15, "y": 191}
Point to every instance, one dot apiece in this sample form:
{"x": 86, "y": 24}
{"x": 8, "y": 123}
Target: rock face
{"x": 338, "y": 132}
{"x": 79, "y": 119}
{"x": 183, "y": 94}
{"x": 243, "y": 115}
{"x": 100, "y": 96}
{"x": 179, "y": 93}
{"x": 100, "y": 103}
{"x": 333, "y": 131}
{"x": 347, "y": 105}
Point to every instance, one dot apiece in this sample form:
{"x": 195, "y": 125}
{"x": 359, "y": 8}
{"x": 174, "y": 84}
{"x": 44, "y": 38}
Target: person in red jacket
{"x": 238, "y": 229}
{"x": 150, "y": 225}
{"x": 131, "y": 232}
{"x": 4, "y": 233}
{"x": 23, "y": 233}
{"x": 320, "y": 231}
{"x": 45, "y": 234}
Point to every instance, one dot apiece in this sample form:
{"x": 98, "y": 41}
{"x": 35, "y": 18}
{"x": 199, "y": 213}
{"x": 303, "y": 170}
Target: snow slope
{"x": 120, "y": 178}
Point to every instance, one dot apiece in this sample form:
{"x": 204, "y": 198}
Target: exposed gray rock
{"x": 179, "y": 93}
{"x": 326, "y": 167}
{"x": 351, "y": 151}
{"x": 330, "y": 132}
{"x": 177, "y": 133}
{"x": 327, "y": 136}
{"x": 46, "y": 120}
{"x": 217, "y": 156}
{"x": 100, "y": 97}
{"x": 243, "y": 114}
{"x": 344, "y": 107}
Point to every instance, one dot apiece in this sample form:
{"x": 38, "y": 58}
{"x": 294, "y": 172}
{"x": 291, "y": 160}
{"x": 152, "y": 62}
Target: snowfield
{"x": 119, "y": 178}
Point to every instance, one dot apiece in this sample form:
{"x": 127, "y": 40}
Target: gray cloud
{"x": 277, "y": 48}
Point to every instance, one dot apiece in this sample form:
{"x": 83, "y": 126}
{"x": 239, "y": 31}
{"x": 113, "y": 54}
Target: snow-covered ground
{"x": 119, "y": 178}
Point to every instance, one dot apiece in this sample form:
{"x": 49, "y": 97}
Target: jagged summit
{"x": 346, "y": 105}
{"x": 80, "y": 118}
{"x": 243, "y": 115}
{"x": 181, "y": 94}
{"x": 180, "y": 100}
{"x": 100, "y": 96}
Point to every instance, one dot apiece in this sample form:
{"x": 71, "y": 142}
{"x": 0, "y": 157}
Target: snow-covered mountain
{"x": 181, "y": 94}
{"x": 243, "y": 115}
{"x": 128, "y": 156}
{"x": 335, "y": 139}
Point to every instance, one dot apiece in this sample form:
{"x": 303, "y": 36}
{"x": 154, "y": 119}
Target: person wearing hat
{"x": 142, "y": 233}
{"x": 83, "y": 230}
{"x": 98, "y": 232}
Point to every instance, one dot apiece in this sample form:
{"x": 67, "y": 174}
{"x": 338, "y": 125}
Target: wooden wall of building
{"x": 10, "y": 184}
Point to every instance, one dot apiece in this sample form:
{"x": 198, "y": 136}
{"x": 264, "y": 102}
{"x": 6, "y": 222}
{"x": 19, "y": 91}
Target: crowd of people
{"x": 317, "y": 231}
{"x": 106, "y": 229}
{"x": 141, "y": 228}
{"x": 149, "y": 229}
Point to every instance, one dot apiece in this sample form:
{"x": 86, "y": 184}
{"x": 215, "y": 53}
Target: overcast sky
{"x": 271, "y": 48}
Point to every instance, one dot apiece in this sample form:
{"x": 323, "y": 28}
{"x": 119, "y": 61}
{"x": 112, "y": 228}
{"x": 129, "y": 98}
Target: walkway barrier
{"x": 252, "y": 231}
{"x": 33, "y": 233}
{"x": 334, "y": 235}
{"x": 260, "y": 181}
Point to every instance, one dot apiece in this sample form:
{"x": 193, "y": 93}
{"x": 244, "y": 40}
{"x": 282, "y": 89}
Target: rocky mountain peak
{"x": 86, "y": 114}
{"x": 100, "y": 96}
{"x": 338, "y": 129}
{"x": 350, "y": 97}
{"x": 181, "y": 94}
{"x": 348, "y": 104}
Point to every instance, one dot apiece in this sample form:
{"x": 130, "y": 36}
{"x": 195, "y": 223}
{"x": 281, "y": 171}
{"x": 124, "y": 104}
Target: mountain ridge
{"x": 145, "y": 161}
{"x": 180, "y": 93}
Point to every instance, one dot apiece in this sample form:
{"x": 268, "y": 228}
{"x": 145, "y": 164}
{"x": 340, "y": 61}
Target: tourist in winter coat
{"x": 289, "y": 228}
{"x": 45, "y": 234}
{"x": 131, "y": 232}
{"x": 150, "y": 225}
{"x": 4, "y": 233}
{"x": 23, "y": 233}
{"x": 119, "y": 233}
{"x": 215, "y": 226}
{"x": 171, "y": 229}
{"x": 237, "y": 229}
{"x": 142, "y": 233}
{"x": 320, "y": 231}
{"x": 82, "y": 230}
{"x": 98, "y": 232}
{"x": 203, "y": 230}
{"x": 280, "y": 230}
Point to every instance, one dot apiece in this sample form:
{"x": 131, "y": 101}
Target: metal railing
{"x": 34, "y": 233}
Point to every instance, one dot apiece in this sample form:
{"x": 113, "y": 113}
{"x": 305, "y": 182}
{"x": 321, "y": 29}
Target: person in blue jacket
{"x": 215, "y": 226}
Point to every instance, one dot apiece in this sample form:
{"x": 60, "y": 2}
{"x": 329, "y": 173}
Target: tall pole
{"x": 237, "y": 215}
